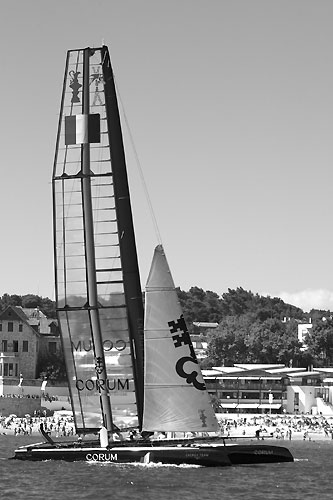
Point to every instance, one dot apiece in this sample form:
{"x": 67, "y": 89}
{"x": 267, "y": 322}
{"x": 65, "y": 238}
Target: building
{"x": 25, "y": 335}
{"x": 302, "y": 331}
{"x": 198, "y": 337}
{"x": 248, "y": 388}
{"x": 271, "y": 389}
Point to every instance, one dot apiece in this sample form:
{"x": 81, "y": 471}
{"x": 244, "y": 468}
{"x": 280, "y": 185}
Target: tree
{"x": 244, "y": 339}
{"x": 52, "y": 366}
{"x": 46, "y": 305}
{"x": 239, "y": 301}
{"x": 10, "y": 300}
{"x": 30, "y": 301}
{"x": 319, "y": 342}
{"x": 270, "y": 342}
{"x": 199, "y": 305}
{"x": 226, "y": 344}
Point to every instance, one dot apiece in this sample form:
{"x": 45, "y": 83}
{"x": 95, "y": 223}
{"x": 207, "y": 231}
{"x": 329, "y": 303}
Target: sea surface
{"x": 309, "y": 477}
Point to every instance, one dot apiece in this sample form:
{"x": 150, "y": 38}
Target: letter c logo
{"x": 191, "y": 378}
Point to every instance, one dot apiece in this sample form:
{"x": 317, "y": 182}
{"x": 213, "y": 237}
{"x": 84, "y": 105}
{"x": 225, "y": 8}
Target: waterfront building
{"x": 243, "y": 388}
{"x": 25, "y": 335}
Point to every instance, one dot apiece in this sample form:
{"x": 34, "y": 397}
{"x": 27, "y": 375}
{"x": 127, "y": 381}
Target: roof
{"x": 17, "y": 313}
{"x": 305, "y": 374}
{"x": 8, "y": 312}
{"x": 260, "y": 366}
{"x": 241, "y": 374}
{"x": 226, "y": 369}
{"x": 33, "y": 313}
{"x": 285, "y": 370}
{"x": 33, "y": 317}
{"x": 261, "y": 371}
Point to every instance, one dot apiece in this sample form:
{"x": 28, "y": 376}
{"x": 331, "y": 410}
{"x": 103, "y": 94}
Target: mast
{"x": 90, "y": 259}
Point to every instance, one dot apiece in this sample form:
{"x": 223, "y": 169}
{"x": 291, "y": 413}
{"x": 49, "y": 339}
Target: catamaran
{"x": 128, "y": 368}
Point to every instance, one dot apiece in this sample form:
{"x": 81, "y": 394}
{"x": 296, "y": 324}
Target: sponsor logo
{"x": 102, "y": 457}
{"x": 101, "y": 385}
{"x": 179, "y": 340}
{"x": 75, "y": 85}
{"x": 108, "y": 345}
{"x": 191, "y": 378}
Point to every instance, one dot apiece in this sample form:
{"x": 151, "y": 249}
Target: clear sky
{"x": 230, "y": 105}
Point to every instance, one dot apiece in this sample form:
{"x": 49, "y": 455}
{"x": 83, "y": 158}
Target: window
{"x": 25, "y": 347}
{"x": 0, "y": 327}
{"x": 20, "y": 327}
{"x": 4, "y": 347}
{"x": 15, "y": 345}
{"x": 52, "y": 347}
{"x": 250, "y": 395}
{"x": 8, "y": 369}
{"x": 10, "y": 326}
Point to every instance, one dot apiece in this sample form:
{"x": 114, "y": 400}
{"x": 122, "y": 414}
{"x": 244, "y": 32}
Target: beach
{"x": 277, "y": 427}
{"x": 60, "y": 424}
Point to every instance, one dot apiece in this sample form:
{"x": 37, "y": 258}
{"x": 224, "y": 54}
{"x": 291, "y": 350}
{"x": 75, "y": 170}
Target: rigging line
{"x": 152, "y": 214}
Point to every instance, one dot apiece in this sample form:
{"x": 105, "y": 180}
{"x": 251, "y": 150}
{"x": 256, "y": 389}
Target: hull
{"x": 174, "y": 455}
{"x": 241, "y": 454}
{"x": 209, "y": 455}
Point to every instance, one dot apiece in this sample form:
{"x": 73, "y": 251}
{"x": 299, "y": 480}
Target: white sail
{"x": 175, "y": 397}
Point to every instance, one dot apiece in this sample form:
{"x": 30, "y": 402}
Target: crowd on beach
{"x": 306, "y": 427}
{"x": 282, "y": 427}
{"x": 57, "y": 425}
{"x": 47, "y": 397}
{"x": 20, "y": 396}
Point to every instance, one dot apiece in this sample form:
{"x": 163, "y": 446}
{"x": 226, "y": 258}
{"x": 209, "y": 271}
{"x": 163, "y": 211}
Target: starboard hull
{"x": 174, "y": 455}
{"x": 203, "y": 455}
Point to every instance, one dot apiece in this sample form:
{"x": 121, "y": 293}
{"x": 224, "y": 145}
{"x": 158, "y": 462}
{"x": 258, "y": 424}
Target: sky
{"x": 229, "y": 104}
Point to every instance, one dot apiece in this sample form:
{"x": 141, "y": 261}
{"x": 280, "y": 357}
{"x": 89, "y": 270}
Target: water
{"x": 307, "y": 478}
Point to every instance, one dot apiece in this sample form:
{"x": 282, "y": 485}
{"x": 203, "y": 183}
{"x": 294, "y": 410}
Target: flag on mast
{"x": 82, "y": 129}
